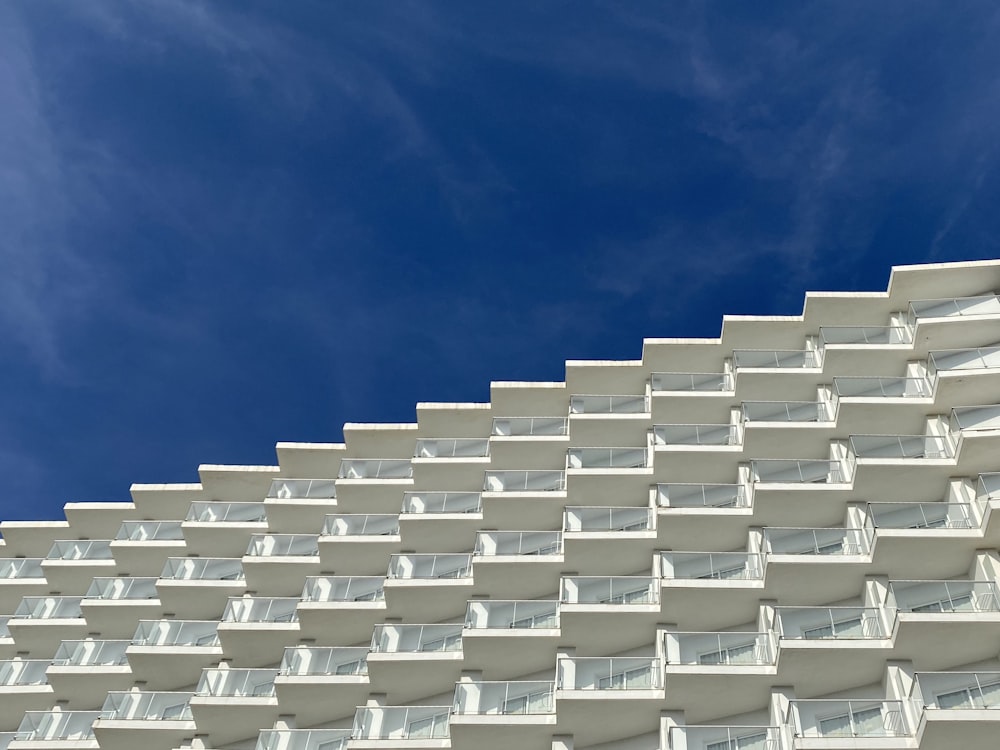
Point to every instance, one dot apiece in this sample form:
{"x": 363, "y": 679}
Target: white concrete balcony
{"x": 943, "y": 598}
{"x": 91, "y": 653}
{"x": 608, "y": 420}
{"x": 699, "y": 498}
{"x": 526, "y": 497}
{"x": 974, "y": 359}
{"x": 23, "y": 687}
{"x": 865, "y": 336}
{"x": 120, "y": 589}
{"x": 149, "y": 719}
{"x": 957, "y": 307}
{"x": 417, "y": 639}
{"x": 341, "y": 610}
{"x": 606, "y": 459}
{"x": 227, "y": 513}
{"x": 525, "y": 481}
{"x": 442, "y": 521}
{"x": 530, "y": 427}
{"x": 694, "y": 580}
{"x": 141, "y": 547}
{"x": 428, "y": 586}
{"x": 508, "y": 638}
{"x": 786, "y": 412}
{"x": 513, "y": 564}
{"x": 608, "y": 539}
{"x": 958, "y": 704}
{"x": 803, "y": 624}
{"x": 798, "y": 561}
{"x": 322, "y": 682}
{"x": 82, "y": 669}
{"x": 168, "y": 652}
{"x": 838, "y": 543}
{"x": 499, "y": 715}
{"x": 961, "y": 321}
{"x": 223, "y": 529}
{"x": 889, "y": 517}
{"x": 531, "y": 442}
{"x": 603, "y": 405}
{"x": 615, "y": 676}
{"x": 276, "y": 564}
{"x": 47, "y": 729}
{"x": 607, "y": 521}
{"x": 358, "y": 544}
{"x": 283, "y": 488}
{"x": 81, "y": 549}
{"x": 195, "y": 587}
{"x": 709, "y": 568}
{"x": 40, "y": 623}
{"x": 975, "y": 418}
{"x": 413, "y": 661}
{"x": 791, "y": 471}
{"x": 20, "y": 577}
{"x": 719, "y": 652}
{"x": 452, "y": 448}
{"x": 384, "y": 469}
{"x": 882, "y": 449}
{"x": 867, "y": 388}
{"x": 361, "y": 525}
{"x": 700, "y": 383}
{"x": 776, "y": 359}
{"x": 150, "y": 531}
{"x": 689, "y": 436}
{"x": 263, "y": 610}
{"x": 614, "y": 613}
{"x": 455, "y": 463}
{"x": 303, "y": 739}
{"x": 721, "y": 737}
{"x": 6, "y": 642}
{"x": 113, "y": 606}
{"x": 827, "y": 723}
{"x": 232, "y": 704}
{"x": 688, "y": 452}
{"x": 254, "y": 628}
{"x": 391, "y": 727}
{"x": 70, "y": 564}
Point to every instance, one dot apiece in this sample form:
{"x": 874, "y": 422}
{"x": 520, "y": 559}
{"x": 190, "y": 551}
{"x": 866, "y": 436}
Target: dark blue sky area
{"x": 228, "y": 224}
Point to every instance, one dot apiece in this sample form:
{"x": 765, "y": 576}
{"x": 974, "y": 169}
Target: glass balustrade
{"x": 236, "y": 683}
{"x": 82, "y": 549}
{"x": 14, "y": 672}
{"x": 441, "y": 502}
{"x": 611, "y": 590}
{"x": 499, "y": 543}
{"x": 430, "y": 566}
{"x": 49, "y": 608}
{"x": 824, "y": 718}
{"x": 709, "y": 566}
{"x": 955, "y": 308}
{"x": 204, "y": 512}
{"x": 4, "y": 630}
{"x": 203, "y": 569}
{"x": 978, "y": 358}
{"x": 147, "y": 706}
{"x": 401, "y": 723}
{"x": 723, "y": 649}
{"x": 116, "y": 589}
{"x": 530, "y": 426}
{"x": 147, "y": 531}
{"x": 959, "y": 690}
{"x": 695, "y": 434}
{"x": 344, "y": 589}
{"x": 452, "y": 448}
{"x": 922, "y": 515}
{"x": 701, "y": 496}
{"x": 587, "y": 404}
{"x": 583, "y": 519}
{"x": 607, "y": 458}
{"x": 361, "y": 525}
{"x": 303, "y": 739}
{"x": 304, "y": 661}
{"x": 91, "y": 654}
{"x": 19, "y": 568}
{"x": 526, "y": 614}
{"x": 829, "y": 623}
{"x": 775, "y": 358}
{"x": 795, "y": 471}
{"x": 532, "y": 480}
{"x": 943, "y": 596}
{"x": 875, "y": 335}
{"x": 283, "y": 545}
{"x": 873, "y": 387}
{"x": 412, "y": 639}
{"x": 57, "y": 726}
{"x": 901, "y": 446}
{"x": 504, "y": 698}
{"x": 721, "y": 737}
{"x": 187, "y": 633}
{"x": 376, "y": 468}
{"x": 975, "y": 418}
{"x": 784, "y": 541}
{"x": 615, "y": 673}
{"x": 261, "y": 609}
{"x": 302, "y": 489}
{"x": 691, "y": 381}
{"x": 785, "y": 411}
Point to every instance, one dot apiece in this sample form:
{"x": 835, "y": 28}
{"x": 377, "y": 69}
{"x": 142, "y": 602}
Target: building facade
{"x": 780, "y": 539}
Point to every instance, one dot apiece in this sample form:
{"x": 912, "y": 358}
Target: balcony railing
{"x": 696, "y": 434}
{"x": 146, "y": 531}
{"x": 4, "y": 630}
{"x": 376, "y": 468}
{"x": 527, "y": 614}
{"x": 829, "y": 623}
{"x": 414, "y": 639}
{"x": 499, "y": 543}
{"x": 303, "y": 739}
{"x": 532, "y": 480}
{"x": 57, "y": 726}
{"x": 203, "y": 569}
{"x": 361, "y": 525}
{"x": 701, "y": 496}
{"x": 978, "y": 358}
{"x": 902, "y": 446}
{"x": 973, "y": 418}
{"x": 724, "y": 649}
{"x": 261, "y": 609}
{"x": 923, "y": 515}
{"x": 615, "y": 673}
{"x": 581, "y": 404}
{"x": 283, "y": 545}
{"x": 956, "y": 307}
{"x": 943, "y": 596}
{"x": 147, "y": 706}
{"x": 708, "y": 566}
{"x": 775, "y": 358}
{"x": 227, "y": 512}
{"x": 343, "y": 589}
{"x": 236, "y": 683}
{"x": 91, "y": 654}
{"x": 85, "y": 549}
{"x": 452, "y": 448}
{"x": 15, "y": 672}
{"x": 988, "y": 486}
{"x": 611, "y": 590}
{"x": 176, "y": 633}
{"x": 720, "y": 737}
{"x": 324, "y": 660}
{"x": 441, "y": 502}
{"x": 302, "y": 489}
{"x": 959, "y": 690}
{"x": 607, "y": 458}
{"x": 530, "y": 426}
{"x": 875, "y": 335}
{"x": 504, "y": 698}
{"x": 21, "y": 568}
{"x": 49, "y": 608}
{"x": 401, "y": 723}
{"x": 864, "y": 386}
{"x": 583, "y": 519}
{"x": 785, "y": 541}
{"x": 823, "y": 718}
{"x": 430, "y": 566}
{"x": 795, "y": 471}
{"x": 785, "y": 411}
{"x": 117, "y": 589}
{"x": 691, "y": 381}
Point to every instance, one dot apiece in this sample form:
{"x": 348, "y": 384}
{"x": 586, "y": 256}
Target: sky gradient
{"x": 228, "y": 224}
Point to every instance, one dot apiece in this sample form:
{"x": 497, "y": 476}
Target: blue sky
{"x": 228, "y": 224}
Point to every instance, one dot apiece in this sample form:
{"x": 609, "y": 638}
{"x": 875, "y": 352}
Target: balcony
{"x": 361, "y": 525}
{"x": 518, "y": 544}
{"x": 608, "y": 405}
{"x": 58, "y": 727}
{"x": 202, "y": 569}
{"x": 958, "y": 360}
{"x": 429, "y": 567}
{"x": 303, "y": 739}
{"x": 257, "y": 609}
{"x": 796, "y": 471}
{"x": 229, "y": 704}
{"x": 829, "y": 623}
{"x": 605, "y": 459}
{"x": 322, "y": 681}
{"x": 532, "y": 480}
{"x": 193, "y": 587}
{"x": 712, "y": 567}
{"x": 91, "y": 654}
{"x": 134, "y": 718}
{"x": 611, "y": 591}
{"x": 943, "y": 597}
{"x": 302, "y": 489}
{"x": 865, "y": 335}
{"x": 923, "y": 516}
{"x": 19, "y": 577}
{"x": 149, "y": 531}
{"x": 795, "y": 542}
{"x": 275, "y": 564}
{"x": 376, "y": 468}
{"x": 242, "y": 513}
{"x": 904, "y": 447}
{"x": 86, "y": 549}
{"x": 452, "y": 448}
{"x": 42, "y": 608}
{"x": 417, "y": 726}
{"x": 22, "y": 673}
{"x": 121, "y": 589}
{"x": 500, "y": 714}
{"x": 344, "y": 608}
{"x": 701, "y": 496}
{"x": 168, "y": 652}
{"x": 324, "y": 661}
{"x": 71, "y": 564}
{"x": 530, "y": 426}
{"x": 283, "y": 545}
{"x": 434, "y": 503}
{"x": 776, "y": 359}
{"x": 724, "y": 650}
{"x": 959, "y": 307}
{"x": 21, "y": 568}
{"x": 975, "y": 418}
{"x": 959, "y": 690}
{"x": 236, "y": 683}
{"x": 621, "y": 673}
{"x": 353, "y": 589}
{"x": 786, "y": 411}
{"x": 520, "y": 615}
{"x": 607, "y": 520}
{"x": 696, "y": 435}
{"x": 416, "y": 660}
{"x": 177, "y": 633}
{"x": 874, "y": 387}
{"x": 718, "y": 737}
{"x": 823, "y": 719}
{"x": 422, "y": 585}
{"x": 253, "y": 628}
{"x": 417, "y": 639}
{"x": 691, "y": 382}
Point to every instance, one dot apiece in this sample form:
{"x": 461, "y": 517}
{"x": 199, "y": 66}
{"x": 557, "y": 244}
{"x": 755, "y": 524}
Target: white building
{"x": 781, "y": 539}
